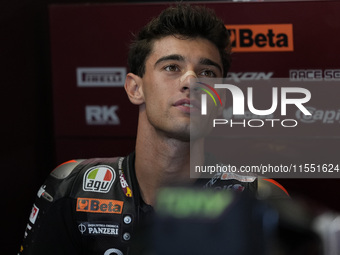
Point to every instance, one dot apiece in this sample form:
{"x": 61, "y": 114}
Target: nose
{"x": 186, "y": 79}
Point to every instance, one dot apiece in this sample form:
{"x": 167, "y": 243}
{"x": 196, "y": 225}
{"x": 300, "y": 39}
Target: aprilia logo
{"x": 99, "y": 205}
{"x": 319, "y": 115}
{"x": 264, "y": 37}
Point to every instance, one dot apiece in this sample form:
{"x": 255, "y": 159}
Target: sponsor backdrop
{"x": 89, "y": 44}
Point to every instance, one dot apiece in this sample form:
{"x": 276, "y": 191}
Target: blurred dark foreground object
{"x": 194, "y": 221}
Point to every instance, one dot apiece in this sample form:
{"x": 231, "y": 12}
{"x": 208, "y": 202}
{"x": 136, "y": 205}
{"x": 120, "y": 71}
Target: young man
{"x": 93, "y": 206}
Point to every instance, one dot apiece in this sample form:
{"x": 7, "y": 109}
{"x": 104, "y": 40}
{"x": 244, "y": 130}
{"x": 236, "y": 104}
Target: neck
{"x": 162, "y": 161}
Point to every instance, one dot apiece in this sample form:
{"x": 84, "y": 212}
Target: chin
{"x": 181, "y": 134}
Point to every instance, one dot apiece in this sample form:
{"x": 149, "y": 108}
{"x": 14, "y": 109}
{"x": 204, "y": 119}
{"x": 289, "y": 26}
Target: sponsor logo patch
{"x": 249, "y": 76}
{"x": 101, "y": 76}
{"x": 125, "y": 186}
{"x": 314, "y": 75}
{"x": 34, "y": 214}
{"x": 98, "y": 228}
{"x": 261, "y": 37}
{"x": 123, "y": 183}
{"x": 99, "y": 179}
{"x": 241, "y": 178}
{"x": 102, "y": 115}
{"x": 324, "y": 116}
{"x": 94, "y": 205}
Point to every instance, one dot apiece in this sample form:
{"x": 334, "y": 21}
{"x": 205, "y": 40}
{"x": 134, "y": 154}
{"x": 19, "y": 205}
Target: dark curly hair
{"x": 186, "y": 21}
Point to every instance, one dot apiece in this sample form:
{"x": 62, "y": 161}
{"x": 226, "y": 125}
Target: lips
{"x": 187, "y": 105}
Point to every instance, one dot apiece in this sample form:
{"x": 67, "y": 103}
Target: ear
{"x": 133, "y": 88}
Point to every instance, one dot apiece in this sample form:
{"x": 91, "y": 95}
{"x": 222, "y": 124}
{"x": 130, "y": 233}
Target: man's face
{"x": 169, "y": 68}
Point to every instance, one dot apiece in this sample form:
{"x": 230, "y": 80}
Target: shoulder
{"x": 59, "y": 182}
{"x": 64, "y": 170}
{"x": 264, "y": 188}
{"x": 74, "y": 177}
{"x": 73, "y": 172}
{"x": 271, "y": 189}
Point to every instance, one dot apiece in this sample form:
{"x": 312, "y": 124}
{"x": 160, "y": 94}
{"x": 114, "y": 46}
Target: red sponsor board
{"x": 89, "y": 43}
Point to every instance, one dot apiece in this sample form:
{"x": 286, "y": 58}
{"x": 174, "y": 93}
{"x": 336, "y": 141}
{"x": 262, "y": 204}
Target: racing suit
{"x": 93, "y": 206}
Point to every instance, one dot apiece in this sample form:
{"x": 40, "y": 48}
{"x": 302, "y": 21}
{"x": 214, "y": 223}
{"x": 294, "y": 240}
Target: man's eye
{"x": 208, "y": 73}
{"x": 171, "y": 68}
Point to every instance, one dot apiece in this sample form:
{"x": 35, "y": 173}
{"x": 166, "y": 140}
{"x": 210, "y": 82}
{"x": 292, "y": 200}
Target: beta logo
{"x": 99, "y": 179}
{"x": 94, "y": 205}
{"x": 261, "y": 37}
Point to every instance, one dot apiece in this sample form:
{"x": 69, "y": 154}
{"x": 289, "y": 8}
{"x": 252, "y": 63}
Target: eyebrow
{"x": 177, "y": 57}
{"x": 209, "y": 62}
